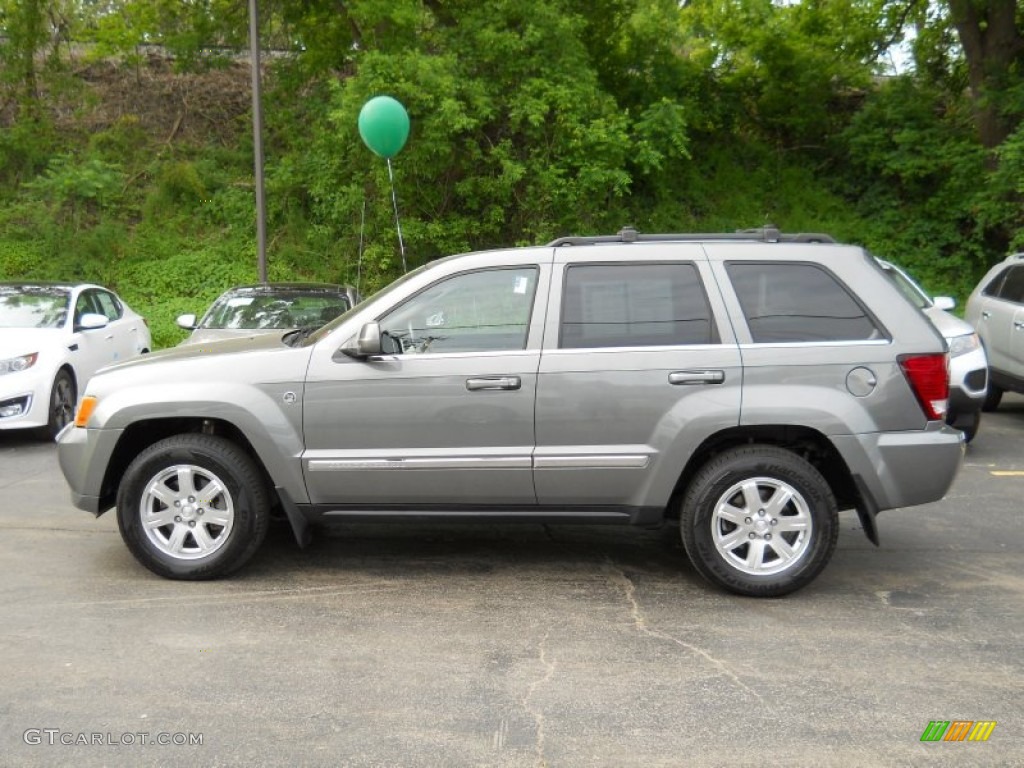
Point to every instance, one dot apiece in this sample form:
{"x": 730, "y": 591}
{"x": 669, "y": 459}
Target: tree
{"x": 993, "y": 45}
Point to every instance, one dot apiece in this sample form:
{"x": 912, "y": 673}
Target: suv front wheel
{"x": 193, "y": 507}
{"x": 759, "y": 520}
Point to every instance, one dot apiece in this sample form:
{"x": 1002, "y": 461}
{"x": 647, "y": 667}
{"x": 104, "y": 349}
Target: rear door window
{"x": 1012, "y": 288}
{"x": 635, "y": 305}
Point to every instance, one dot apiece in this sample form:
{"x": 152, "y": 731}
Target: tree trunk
{"x": 992, "y": 43}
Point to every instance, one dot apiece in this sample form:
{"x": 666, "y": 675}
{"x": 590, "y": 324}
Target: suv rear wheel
{"x": 759, "y": 520}
{"x": 193, "y": 507}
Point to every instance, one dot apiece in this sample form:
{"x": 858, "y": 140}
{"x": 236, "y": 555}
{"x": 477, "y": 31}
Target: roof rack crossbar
{"x": 763, "y": 234}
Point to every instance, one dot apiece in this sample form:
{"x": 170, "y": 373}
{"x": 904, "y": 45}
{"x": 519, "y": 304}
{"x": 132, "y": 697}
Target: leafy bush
{"x": 78, "y": 189}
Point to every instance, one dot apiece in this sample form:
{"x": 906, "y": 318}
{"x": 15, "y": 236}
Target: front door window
{"x": 473, "y": 312}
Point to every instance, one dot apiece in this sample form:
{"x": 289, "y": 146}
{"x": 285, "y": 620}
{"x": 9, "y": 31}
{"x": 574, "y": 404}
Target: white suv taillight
{"x": 929, "y": 378}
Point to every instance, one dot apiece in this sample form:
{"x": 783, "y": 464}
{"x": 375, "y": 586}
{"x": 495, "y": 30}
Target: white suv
{"x": 996, "y": 309}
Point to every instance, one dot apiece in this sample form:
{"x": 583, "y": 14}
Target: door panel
{"x": 1016, "y": 361}
{"x": 606, "y": 420}
{"x": 123, "y": 329}
{"x": 995, "y": 326}
{"x": 448, "y": 416}
{"x": 407, "y": 431}
{"x": 636, "y": 372}
{"x": 95, "y": 347}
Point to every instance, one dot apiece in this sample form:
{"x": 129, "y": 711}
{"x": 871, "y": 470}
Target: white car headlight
{"x": 15, "y": 364}
{"x": 961, "y": 345}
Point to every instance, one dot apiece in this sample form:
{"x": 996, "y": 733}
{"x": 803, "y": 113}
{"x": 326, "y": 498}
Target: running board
{"x": 644, "y": 516}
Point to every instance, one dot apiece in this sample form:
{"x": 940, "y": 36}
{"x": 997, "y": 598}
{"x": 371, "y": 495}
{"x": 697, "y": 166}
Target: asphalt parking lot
{"x": 513, "y": 645}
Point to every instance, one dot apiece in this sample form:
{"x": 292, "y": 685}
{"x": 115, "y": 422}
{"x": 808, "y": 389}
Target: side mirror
{"x": 90, "y": 321}
{"x": 367, "y": 344}
{"x": 188, "y": 322}
{"x": 944, "y": 302}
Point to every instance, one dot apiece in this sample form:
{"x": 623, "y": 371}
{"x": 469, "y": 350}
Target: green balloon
{"x": 384, "y": 125}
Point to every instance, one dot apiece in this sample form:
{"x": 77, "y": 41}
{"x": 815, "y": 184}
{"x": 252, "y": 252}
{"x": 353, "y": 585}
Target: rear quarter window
{"x": 796, "y": 302}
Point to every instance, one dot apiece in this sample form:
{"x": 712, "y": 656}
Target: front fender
{"x": 268, "y": 415}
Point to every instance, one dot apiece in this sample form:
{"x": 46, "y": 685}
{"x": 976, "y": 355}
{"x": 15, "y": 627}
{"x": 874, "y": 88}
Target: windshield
{"x": 279, "y": 310}
{"x": 909, "y": 288}
{"x": 33, "y": 306}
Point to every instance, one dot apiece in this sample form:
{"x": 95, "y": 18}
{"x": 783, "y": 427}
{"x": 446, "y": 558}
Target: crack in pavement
{"x": 619, "y": 578}
{"x": 538, "y": 716}
{"x": 270, "y": 594}
{"x": 90, "y": 531}
{"x": 500, "y": 735}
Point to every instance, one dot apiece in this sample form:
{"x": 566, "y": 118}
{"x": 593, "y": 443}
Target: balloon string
{"x": 398, "y": 223}
{"x": 362, "y": 228}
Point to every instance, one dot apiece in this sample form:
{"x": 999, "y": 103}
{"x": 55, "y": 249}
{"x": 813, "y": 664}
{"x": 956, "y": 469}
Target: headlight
{"x": 961, "y": 345}
{"x": 15, "y": 364}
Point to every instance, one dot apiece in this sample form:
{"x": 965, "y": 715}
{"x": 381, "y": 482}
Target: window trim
{"x": 878, "y": 324}
{"x": 716, "y": 336}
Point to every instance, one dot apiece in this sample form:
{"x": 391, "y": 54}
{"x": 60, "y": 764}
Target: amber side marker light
{"x": 85, "y": 410}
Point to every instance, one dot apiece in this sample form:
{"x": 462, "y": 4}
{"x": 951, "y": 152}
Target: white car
{"x": 53, "y": 338}
{"x": 968, "y": 364}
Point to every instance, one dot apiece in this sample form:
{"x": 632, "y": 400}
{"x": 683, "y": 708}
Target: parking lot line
{"x": 1007, "y": 473}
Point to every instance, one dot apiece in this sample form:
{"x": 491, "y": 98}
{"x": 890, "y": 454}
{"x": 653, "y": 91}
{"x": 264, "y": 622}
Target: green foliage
{"x": 25, "y": 149}
{"x": 167, "y": 278}
{"x": 529, "y": 119}
{"x": 21, "y": 261}
{"x": 178, "y": 189}
{"x": 199, "y": 33}
{"x": 78, "y": 190}
{"x": 125, "y": 142}
{"x": 914, "y": 167}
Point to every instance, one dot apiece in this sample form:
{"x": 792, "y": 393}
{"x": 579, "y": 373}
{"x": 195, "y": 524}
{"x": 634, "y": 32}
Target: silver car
{"x": 745, "y": 387}
{"x": 996, "y": 309}
{"x": 968, "y": 365}
{"x": 268, "y": 308}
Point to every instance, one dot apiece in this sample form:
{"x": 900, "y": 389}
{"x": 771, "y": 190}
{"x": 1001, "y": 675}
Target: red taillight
{"x": 929, "y": 378}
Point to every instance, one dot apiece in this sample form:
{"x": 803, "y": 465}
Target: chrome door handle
{"x": 109, "y": 338}
{"x": 1018, "y": 325}
{"x": 494, "y": 382}
{"x": 696, "y": 377}
{"x": 986, "y": 315}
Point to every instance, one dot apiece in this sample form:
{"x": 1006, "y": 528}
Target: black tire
{"x": 806, "y": 523}
{"x": 992, "y": 397}
{"x": 208, "y": 531}
{"x": 61, "y": 408}
{"x": 967, "y": 423}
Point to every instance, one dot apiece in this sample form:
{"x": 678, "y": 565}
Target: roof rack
{"x": 767, "y": 234}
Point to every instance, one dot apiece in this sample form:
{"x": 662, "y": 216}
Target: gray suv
{"x": 746, "y": 385}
